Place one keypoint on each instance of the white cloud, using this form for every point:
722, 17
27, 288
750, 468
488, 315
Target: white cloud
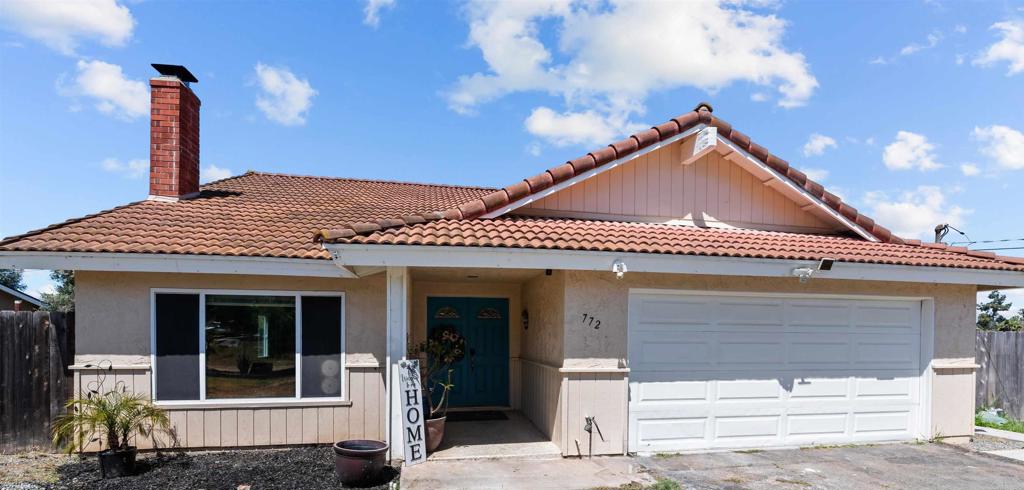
914, 214
816, 174
960, 29
574, 128
60, 25
600, 72
931, 41
285, 98
1004, 144
114, 94
1010, 48
908, 151
534, 149
759, 97
817, 144
372, 10
970, 169
209, 173
131, 169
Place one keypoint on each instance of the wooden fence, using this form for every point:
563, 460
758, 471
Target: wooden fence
1001, 375
36, 348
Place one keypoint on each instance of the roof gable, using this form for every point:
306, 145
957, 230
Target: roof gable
671, 185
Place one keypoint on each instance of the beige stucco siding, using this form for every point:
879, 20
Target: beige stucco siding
113, 309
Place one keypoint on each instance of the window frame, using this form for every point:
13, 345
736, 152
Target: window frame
298, 399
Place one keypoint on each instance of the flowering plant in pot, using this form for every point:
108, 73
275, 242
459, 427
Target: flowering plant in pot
112, 418
444, 347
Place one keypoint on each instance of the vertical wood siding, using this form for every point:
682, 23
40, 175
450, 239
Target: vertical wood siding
248, 426
541, 398
601, 395
658, 185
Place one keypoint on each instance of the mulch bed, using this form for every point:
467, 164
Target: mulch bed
294, 468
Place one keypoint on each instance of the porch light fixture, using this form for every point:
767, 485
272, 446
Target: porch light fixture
619, 268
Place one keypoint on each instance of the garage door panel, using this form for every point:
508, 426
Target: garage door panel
749, 390
817, 424
771, 371
675, 391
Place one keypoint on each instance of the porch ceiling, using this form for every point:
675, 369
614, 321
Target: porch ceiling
472, 274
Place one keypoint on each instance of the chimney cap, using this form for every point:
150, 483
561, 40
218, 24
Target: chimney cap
176, 71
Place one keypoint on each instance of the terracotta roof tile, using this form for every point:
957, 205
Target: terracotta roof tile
614, 236
256, 214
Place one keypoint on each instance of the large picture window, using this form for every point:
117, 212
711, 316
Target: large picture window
220, 346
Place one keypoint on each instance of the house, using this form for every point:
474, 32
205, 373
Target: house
683, 289
12, 299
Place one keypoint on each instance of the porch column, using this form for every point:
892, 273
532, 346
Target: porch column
398, 333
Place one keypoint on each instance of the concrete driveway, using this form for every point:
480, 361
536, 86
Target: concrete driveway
896, 466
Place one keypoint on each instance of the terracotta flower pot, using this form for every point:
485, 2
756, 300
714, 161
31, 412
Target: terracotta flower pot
115, 464
435, 433
359, 462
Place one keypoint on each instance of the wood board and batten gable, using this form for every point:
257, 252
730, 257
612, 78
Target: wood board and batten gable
668, 185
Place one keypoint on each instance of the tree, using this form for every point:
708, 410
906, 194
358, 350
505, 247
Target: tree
990, 316
63, 297
12, 278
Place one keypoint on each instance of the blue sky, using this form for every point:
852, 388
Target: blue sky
912, 111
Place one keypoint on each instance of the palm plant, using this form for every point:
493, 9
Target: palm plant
115, 416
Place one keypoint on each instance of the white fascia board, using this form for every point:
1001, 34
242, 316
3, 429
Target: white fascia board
350, 255
199, 264
591, 173
800, 190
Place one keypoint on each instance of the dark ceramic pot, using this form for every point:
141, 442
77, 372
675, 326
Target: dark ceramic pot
115, 464
435, 433
359, 462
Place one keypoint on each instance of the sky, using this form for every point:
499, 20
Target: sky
911, 111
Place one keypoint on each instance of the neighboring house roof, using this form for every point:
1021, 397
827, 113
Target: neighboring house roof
22, 296
618, 236
274, 215
255, 214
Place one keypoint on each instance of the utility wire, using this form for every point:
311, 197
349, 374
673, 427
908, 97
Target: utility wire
988, 241
1002, 248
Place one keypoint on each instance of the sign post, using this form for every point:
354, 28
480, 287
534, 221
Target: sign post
413, 434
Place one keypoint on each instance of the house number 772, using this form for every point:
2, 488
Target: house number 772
590, 321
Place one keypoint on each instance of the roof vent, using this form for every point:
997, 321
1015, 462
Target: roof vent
176, 71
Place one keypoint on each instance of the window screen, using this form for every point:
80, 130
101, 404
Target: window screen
321, 346
177, 346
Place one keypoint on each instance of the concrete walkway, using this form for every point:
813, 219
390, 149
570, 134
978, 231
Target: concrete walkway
525, 474
1015, 453
514, 437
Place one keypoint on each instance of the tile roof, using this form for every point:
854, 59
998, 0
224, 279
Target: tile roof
614, 236
255, 214
702, 114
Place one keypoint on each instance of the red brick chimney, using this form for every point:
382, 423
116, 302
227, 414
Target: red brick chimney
173, 135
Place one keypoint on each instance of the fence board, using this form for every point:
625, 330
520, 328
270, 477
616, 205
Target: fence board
35, 352
1000, 380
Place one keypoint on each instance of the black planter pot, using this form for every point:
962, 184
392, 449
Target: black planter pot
359, 462
115, 464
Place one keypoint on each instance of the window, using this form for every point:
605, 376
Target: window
252, 345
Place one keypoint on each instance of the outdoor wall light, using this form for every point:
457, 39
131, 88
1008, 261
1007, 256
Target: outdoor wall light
805, 273
619, 268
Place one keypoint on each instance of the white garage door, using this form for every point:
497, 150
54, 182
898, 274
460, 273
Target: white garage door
730, 371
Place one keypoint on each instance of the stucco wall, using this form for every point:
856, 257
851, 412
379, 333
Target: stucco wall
112, 310
544, 299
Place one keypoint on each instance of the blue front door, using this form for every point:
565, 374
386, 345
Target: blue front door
481, 378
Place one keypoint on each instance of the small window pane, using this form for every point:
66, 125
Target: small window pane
321, 346
250, 346
177, 346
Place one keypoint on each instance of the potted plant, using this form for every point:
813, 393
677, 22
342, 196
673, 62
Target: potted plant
444, 347
112, 418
